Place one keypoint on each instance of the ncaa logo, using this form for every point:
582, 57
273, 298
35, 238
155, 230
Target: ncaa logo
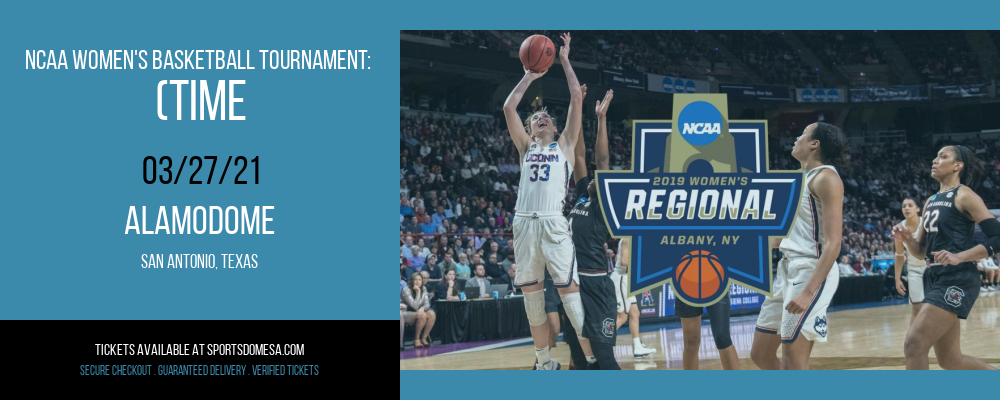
820, 95
832, 95
807, 95
679, 85
668, 84
700, 123
690, 87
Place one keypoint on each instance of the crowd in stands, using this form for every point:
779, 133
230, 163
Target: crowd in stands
475, 39
459, 175
843, 47
768, 55
940, 56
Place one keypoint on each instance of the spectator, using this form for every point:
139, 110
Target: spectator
493, 269
860, 266
449, 288
438, 217
404, 207
506, 279
508, 262
845, 267
417, 260
418, 310
480, 281
405, 270
464, 272
431, 268
428, 227
448, 261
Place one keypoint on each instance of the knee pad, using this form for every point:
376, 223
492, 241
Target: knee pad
534, 306
574, 311
722, 339
720, 327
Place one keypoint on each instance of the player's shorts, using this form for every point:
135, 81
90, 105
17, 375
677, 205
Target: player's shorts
623, 301
993, 267
597, 293
915, 283
540, 243
953, 288
793, 275
718, 310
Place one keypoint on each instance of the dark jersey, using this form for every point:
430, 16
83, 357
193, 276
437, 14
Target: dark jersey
946, 227
586, 222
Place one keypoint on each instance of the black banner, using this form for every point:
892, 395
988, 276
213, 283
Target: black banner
615, 78
298, 352
959, 91
863, 94
756, 92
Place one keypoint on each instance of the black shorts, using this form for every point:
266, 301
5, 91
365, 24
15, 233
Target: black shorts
953, 288
552, 299
718, 310
597, 293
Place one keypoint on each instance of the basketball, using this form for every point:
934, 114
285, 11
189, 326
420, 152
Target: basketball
700, 274
537, 53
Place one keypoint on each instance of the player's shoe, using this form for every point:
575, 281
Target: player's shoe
639, 350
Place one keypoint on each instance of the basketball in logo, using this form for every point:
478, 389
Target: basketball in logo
699, 274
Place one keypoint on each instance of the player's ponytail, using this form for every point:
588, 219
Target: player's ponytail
832, 145
973, 168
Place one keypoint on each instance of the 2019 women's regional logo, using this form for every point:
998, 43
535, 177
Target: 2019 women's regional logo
700, 202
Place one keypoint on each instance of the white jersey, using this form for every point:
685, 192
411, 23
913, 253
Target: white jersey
912, 260
806, 238
545, 174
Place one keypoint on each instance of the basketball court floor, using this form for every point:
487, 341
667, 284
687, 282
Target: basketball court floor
868, 336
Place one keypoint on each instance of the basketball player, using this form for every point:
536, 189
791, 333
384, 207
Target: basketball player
951, 280
806, 278
991, 270
627, 308
718, 316
914, 265
541, 233
590, 233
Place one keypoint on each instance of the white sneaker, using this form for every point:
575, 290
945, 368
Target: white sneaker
552, 365
641, 351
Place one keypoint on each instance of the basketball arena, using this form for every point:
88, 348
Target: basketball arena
904, 102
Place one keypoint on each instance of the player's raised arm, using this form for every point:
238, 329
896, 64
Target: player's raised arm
574, 119
514, 124
580, 154
601, 154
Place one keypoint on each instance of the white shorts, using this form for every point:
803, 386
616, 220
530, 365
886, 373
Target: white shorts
793, 274
993, 267
915, 283
541, 243
620, 291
